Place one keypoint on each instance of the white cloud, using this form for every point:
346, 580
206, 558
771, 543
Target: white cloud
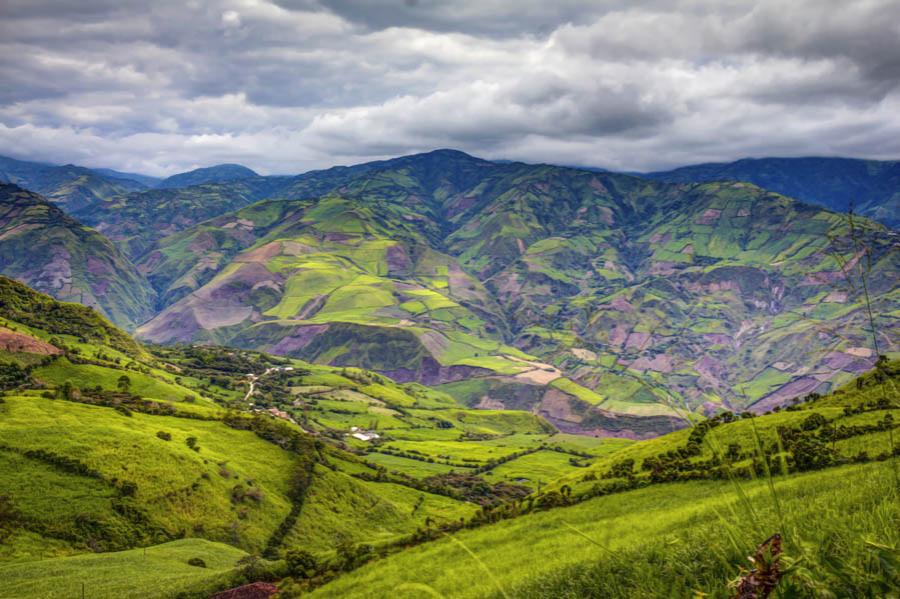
286, 86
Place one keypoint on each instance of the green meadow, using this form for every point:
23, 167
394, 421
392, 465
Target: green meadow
670, 540
156, 572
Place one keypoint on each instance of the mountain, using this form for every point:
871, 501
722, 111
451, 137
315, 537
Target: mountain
52, 252
72, 187
871, 187
580, 296
220, 173
139, 220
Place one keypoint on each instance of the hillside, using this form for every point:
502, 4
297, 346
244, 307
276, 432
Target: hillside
50, 251
619, 534
187, 460
869, 186
134, 222
446, 269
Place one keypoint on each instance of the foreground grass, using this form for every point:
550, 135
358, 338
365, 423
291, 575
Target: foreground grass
665, 540
154, 572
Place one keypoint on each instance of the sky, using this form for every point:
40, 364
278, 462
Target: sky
285, 86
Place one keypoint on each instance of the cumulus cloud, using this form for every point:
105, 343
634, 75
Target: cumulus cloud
288, 85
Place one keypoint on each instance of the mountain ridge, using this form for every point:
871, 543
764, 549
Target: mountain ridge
868, 186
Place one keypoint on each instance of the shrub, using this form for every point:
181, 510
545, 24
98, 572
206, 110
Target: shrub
300, 563
197, 561
164, 435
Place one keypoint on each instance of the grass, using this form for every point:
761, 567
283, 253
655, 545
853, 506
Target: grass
537, 555
160, 571
456, 451
90, 375
340, 509
745, 432
540, 466
415, 468
178, 487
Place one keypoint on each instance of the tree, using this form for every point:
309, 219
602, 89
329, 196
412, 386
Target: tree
124, 383
733, 453
301, 564
811, 454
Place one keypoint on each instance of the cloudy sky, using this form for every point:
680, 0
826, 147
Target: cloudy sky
284, 86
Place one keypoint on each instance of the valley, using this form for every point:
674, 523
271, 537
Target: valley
376, 380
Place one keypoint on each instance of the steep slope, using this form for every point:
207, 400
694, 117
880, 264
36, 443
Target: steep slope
72, 187
54, 253
655, 296
712, 290
220, 173
334, 261
872, 187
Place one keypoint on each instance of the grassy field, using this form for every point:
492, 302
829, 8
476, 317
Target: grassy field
541, 466
156, 572
340, 509
90, 375
179, 488
643, 536
414, 468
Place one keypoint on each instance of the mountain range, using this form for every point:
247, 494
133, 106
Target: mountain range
607, 303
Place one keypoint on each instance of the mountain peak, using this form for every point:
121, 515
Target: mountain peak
219, 173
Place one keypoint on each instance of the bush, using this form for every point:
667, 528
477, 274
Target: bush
164, 435
300, 563
811, 454
197, 561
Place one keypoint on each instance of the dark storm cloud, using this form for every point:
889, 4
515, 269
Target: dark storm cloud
287, 85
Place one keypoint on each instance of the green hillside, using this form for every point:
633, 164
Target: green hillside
107, 445
643, 522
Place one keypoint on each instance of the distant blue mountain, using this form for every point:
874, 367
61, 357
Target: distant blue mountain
872, 187
221, 173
